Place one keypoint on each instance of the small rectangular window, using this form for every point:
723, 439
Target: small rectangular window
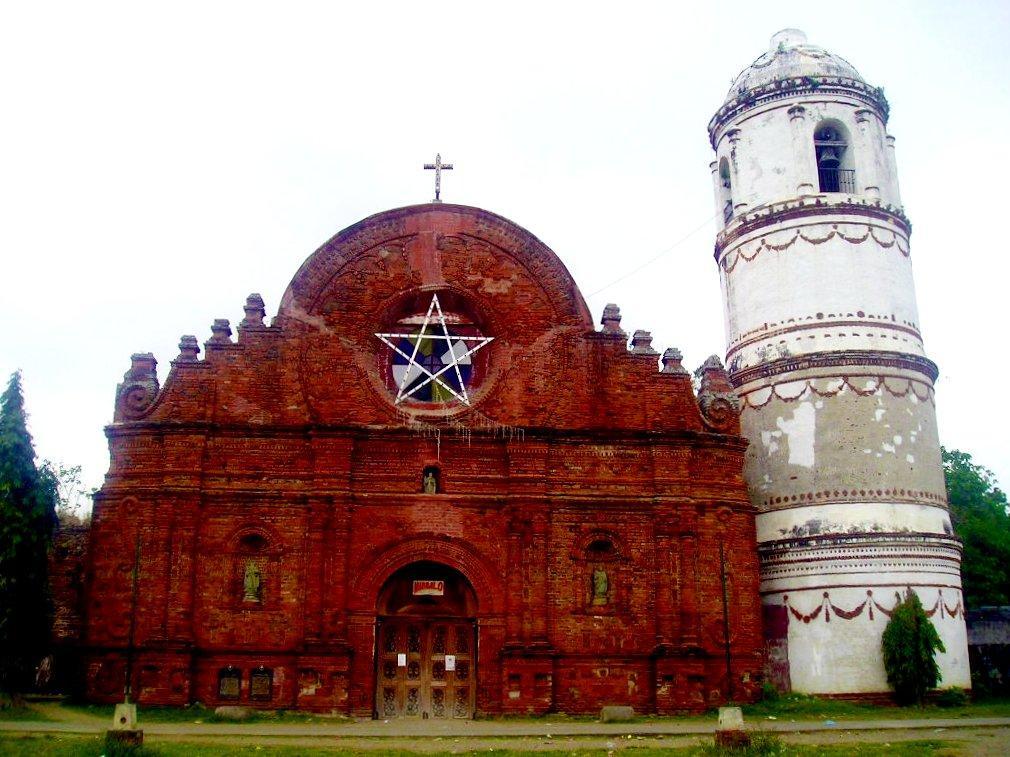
261, 684
229, 683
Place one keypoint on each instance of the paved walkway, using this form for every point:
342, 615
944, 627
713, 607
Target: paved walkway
491, 728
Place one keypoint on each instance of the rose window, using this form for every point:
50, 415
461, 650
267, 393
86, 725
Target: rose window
433, 357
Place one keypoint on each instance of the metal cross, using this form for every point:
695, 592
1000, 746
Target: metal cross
438, 166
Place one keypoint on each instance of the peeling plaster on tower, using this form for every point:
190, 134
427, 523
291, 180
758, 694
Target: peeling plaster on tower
825, 352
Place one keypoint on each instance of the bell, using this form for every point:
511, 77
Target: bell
829, 158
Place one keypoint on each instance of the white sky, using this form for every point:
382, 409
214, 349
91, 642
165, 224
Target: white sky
160, 162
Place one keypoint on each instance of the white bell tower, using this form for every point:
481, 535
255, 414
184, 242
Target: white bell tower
825, 351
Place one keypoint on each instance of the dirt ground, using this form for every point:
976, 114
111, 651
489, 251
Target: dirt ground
961, 741
964, 741
993, 739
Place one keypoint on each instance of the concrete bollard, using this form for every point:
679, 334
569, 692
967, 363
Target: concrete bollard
616, 713
233, 712
124, 725
730, 734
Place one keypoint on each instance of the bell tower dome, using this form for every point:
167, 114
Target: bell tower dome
825, 352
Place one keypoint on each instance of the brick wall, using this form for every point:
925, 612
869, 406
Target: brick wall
284, 451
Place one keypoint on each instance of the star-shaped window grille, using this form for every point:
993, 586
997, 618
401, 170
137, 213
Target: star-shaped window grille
433, 363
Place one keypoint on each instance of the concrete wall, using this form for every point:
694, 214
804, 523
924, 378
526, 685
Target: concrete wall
829, 653
815, 282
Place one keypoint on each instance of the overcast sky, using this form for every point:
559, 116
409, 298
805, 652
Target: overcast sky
159, 162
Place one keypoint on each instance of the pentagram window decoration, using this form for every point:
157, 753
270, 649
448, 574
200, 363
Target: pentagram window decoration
433, 358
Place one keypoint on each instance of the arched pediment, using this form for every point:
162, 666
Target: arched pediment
432, 247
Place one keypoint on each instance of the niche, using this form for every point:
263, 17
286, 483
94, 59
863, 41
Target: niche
725, 190
835, 172
431, 482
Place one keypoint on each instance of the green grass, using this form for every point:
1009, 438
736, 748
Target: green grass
803, 707
768, 745
197, 713
790, 707
21, 713
86, 746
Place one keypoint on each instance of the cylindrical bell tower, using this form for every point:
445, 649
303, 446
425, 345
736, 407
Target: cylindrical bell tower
825, 351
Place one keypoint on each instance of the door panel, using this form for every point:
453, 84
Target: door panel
436, 677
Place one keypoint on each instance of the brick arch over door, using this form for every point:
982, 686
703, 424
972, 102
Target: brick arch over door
385, 560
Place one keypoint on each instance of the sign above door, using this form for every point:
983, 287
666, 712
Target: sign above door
428, 588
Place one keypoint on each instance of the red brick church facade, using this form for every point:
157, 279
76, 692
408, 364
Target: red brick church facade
553, 522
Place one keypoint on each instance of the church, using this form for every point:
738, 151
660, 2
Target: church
434, 485
430, 487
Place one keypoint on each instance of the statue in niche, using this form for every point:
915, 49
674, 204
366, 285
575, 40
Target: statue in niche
430, 482
601, 586
252, 582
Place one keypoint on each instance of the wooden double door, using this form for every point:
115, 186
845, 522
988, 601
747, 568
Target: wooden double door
425, 668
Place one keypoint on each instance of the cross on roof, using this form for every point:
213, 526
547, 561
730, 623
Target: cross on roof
438, 166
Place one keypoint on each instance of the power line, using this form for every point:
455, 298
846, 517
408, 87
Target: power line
654, 258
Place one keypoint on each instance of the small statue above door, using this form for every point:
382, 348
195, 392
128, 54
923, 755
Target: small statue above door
429, 480
252, 583
601, 586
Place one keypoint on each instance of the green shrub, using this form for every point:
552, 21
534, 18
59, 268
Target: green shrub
761, 745
910, 644
985, 682
115, 748
769, 693
952, 697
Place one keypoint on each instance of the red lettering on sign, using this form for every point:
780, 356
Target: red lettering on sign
429, 587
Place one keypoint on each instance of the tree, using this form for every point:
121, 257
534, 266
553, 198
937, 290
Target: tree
72, 503
910, 644
27, 519
978, 510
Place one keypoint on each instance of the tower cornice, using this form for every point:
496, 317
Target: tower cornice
785, 550
794, 87
804, 207
847, 358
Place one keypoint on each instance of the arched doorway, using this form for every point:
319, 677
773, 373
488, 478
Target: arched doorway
426, 644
